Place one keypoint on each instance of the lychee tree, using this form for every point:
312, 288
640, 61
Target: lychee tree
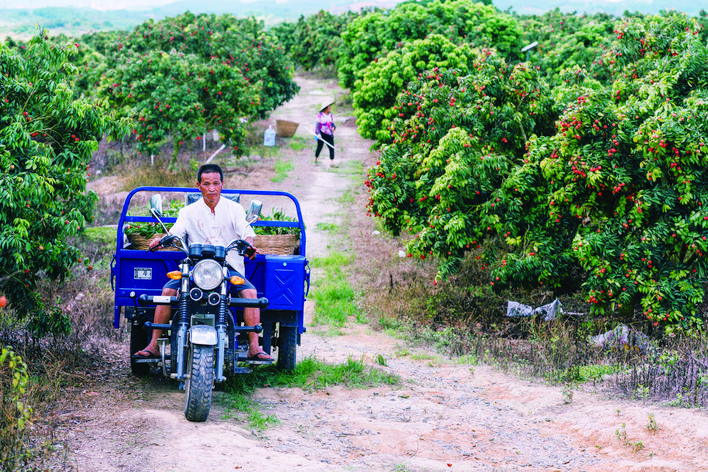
46, 140
629, 167
374, 35
611, 198
181, 77
455, 140
176, 95
315, 40
567, 40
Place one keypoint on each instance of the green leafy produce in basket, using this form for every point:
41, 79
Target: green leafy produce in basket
277, 215
144, 229
148, 229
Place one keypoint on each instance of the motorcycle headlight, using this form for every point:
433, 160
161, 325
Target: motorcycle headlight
207, 274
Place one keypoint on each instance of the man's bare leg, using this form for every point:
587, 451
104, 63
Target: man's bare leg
252, 316
162, 316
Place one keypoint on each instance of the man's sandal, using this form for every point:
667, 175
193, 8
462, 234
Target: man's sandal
260, 356
146, 354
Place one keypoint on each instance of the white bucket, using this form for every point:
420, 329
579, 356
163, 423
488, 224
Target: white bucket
269, 137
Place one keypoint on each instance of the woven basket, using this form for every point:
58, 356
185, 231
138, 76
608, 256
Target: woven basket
282, 244
286, 129
143, 244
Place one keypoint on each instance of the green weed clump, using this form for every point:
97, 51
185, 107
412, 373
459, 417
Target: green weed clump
333, 294
310, 374
281, 170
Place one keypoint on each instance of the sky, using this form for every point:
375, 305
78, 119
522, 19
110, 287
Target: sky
102, 4
521, 6
96, 4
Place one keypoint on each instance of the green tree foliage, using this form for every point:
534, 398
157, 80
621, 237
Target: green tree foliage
567, 40
286, 32
456, 139
314, 40
179, 96
374, 35
183, 76
612, 197
628, 165
46, 140
382, 81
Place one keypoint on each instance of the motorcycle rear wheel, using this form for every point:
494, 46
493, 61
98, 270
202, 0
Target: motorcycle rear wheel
139, 338
200, 383
287, 348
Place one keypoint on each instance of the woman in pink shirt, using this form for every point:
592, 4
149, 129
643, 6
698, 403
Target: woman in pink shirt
324, 130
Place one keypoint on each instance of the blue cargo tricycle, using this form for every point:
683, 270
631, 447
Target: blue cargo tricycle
206, 340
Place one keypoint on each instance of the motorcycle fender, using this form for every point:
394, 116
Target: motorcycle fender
203, 335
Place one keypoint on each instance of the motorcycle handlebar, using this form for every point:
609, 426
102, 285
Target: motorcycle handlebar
243, 247
261, 303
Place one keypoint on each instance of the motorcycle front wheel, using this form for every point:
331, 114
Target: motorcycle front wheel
200, 383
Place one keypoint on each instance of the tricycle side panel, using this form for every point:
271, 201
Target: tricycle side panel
285, 282
141, 272
256, 273
281, 279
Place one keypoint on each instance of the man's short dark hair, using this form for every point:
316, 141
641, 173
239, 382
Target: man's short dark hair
209, 169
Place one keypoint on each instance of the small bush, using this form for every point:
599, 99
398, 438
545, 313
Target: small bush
15, 412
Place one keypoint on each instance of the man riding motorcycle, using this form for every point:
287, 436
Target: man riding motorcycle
211, 220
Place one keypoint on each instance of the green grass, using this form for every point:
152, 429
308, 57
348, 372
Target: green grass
346, 198
584, 373
587, 373
328, 227
310, 374
298, 144
101, 234
315, 374
333, 295
352, 168
281, 170
244, 408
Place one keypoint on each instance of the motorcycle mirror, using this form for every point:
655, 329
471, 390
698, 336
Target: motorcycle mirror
254, 211
156, 205
156, 210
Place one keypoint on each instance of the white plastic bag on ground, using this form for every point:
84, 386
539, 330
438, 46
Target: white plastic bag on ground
549, 311
623, 337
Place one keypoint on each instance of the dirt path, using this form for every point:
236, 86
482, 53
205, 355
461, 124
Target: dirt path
444, 415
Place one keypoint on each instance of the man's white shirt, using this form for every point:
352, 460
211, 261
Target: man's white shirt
226, 223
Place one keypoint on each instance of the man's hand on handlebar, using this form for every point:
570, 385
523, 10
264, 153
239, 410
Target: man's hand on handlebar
156, 243
250, 252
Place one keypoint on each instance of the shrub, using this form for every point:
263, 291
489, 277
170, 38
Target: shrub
15, 413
